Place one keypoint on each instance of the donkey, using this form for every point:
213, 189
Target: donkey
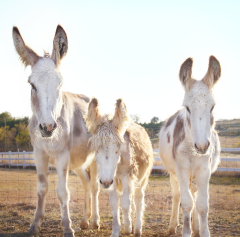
190, 149
58, 131
124, 158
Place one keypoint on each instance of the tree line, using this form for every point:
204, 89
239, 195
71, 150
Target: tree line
14, 134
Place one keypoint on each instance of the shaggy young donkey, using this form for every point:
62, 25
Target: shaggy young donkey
189, 148
124, 158
57, 129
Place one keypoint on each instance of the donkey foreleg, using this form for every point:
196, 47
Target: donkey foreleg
114, 201
84, 223
41, 161
127, 184
175, 205
186, 201
63, 192
202, 180
95, 192
140, 206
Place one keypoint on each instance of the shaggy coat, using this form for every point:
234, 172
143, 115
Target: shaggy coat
190, 149
124, 159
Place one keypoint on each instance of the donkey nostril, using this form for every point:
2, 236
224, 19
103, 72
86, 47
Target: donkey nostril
111, 182
100, 181
55, 125
196, 146
40, 126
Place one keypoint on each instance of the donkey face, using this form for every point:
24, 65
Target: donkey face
199, 102
107, 158
107, 139
45, 79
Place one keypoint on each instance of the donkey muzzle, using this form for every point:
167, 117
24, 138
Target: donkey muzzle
203, 148
106, 184
47, 129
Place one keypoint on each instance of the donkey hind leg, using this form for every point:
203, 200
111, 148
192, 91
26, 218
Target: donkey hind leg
41, 161
202, 180
140, 206
127, 184
186, 201
87, 205
63, 192
95, 191
195, 219
175, 205
114, 201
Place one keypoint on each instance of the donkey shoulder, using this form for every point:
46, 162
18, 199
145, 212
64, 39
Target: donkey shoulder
72, 96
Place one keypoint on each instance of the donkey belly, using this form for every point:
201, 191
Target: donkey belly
78, 157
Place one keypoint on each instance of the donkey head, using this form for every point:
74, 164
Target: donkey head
107, 138
45, 79
199, 102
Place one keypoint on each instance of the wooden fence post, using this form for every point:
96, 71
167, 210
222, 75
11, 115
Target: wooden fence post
24, 162
9, 154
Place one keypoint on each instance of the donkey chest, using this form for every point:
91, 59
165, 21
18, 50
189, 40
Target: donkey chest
52, 148
194, 162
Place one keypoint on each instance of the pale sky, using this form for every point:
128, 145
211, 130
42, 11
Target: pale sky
128, 49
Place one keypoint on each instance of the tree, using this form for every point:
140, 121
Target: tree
154, 120
5, 115
135, 118
23, 137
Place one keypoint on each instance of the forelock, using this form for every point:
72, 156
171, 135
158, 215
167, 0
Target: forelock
199, 93
106, 134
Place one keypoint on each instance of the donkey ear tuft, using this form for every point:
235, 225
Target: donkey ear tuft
26, 54
60, 45
213, 73
185, 74
121, 117
93, 116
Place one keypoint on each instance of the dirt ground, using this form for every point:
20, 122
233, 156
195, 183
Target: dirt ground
18, 203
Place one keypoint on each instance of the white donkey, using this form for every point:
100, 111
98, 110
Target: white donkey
124, 158
57, 129
189, 148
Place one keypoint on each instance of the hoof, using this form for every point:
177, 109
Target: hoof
96, 226
128, 230
34, 230
171, 231
84, 225
69, 235
137, 235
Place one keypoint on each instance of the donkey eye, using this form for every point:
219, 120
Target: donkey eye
33, 87
116, 152
188, 109
211, 109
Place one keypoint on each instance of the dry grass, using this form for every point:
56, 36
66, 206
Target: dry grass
18, 203
230, 141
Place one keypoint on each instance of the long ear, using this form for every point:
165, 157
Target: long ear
213, 73
93, 117
27, 55
121, 118
185, 74
60, 45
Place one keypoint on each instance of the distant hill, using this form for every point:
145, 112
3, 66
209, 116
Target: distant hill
228, 127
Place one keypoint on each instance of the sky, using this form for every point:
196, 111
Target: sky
125, 49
